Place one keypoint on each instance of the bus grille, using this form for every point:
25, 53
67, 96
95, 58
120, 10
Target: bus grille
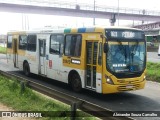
128, 81
128, 87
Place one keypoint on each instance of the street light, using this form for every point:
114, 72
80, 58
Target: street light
118, 12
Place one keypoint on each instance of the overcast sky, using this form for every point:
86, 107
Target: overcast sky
17, 21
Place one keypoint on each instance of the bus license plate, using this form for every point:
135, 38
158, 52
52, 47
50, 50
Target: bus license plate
129, 86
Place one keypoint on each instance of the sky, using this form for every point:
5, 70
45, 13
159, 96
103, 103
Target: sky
19, 21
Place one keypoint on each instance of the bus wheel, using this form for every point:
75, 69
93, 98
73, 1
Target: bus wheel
26, 69
76, 83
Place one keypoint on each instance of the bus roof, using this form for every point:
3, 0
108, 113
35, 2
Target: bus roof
72, 30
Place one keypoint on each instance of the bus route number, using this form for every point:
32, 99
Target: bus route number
128, 34
114, 34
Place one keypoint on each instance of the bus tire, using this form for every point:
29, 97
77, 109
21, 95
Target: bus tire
26, 69
76, 83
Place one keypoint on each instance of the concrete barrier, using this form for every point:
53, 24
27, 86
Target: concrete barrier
152, 49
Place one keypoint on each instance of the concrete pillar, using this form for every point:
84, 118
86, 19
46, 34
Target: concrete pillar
143, 12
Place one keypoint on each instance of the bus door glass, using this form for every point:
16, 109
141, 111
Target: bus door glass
9, 49
15, 55
42, 55
99, 70
91, 63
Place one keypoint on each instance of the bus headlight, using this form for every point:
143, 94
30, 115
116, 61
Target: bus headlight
144, 77
108, 80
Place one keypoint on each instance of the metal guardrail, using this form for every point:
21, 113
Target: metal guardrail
82, 6
152, 49
71, 100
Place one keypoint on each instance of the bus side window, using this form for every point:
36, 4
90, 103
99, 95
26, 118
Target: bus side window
73, 45
56, 44
23, 42
9, 42
100, 54
31, 40
78, 46
61, 44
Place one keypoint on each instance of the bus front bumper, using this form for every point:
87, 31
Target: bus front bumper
108, 88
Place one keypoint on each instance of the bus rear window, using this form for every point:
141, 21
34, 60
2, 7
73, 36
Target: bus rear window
9, 42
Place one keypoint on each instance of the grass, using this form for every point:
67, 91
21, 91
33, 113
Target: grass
12, 96
3, 50
153, 71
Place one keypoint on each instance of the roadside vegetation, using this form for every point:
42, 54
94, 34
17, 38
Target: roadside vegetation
2, 50
12, 96
153, 71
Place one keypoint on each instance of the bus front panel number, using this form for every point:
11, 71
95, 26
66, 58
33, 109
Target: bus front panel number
66, 61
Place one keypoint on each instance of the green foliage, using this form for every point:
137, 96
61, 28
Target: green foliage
3, 50
153, 71
11, 95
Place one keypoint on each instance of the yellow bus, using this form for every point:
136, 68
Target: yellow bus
101, 59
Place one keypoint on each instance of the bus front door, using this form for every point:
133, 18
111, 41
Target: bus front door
42, 55
15, 55
91, 61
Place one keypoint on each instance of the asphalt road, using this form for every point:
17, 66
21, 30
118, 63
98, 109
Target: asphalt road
153, 57
147, 99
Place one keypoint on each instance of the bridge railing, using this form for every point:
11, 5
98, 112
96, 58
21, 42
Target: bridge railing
82, 6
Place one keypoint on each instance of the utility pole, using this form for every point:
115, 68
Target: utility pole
118, 12
94, 11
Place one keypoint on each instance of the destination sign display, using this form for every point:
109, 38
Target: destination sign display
120, 34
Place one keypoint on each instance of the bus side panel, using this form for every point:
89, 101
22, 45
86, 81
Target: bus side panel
21, 58
32, 61
77, 64
11, 49
65, 73
10, 57
50, 61
54, 67
57, 71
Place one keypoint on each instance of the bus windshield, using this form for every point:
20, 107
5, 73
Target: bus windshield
126, 56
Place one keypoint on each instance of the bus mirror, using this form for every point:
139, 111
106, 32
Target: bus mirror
105, 47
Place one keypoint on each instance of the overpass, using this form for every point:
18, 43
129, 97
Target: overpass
48, 7
150, 26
